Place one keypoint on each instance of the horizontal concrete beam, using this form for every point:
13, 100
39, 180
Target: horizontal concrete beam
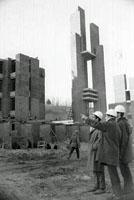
90, 94
87, 55
90, 99
90, 90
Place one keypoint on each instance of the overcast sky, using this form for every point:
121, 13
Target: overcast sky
42, 28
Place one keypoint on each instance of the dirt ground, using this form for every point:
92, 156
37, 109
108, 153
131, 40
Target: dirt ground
39, 174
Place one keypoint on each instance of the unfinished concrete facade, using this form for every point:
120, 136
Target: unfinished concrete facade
22, 93
81, 94
22, 88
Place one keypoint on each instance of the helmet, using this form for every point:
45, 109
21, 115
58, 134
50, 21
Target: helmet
111, 112
98, 114
120, 109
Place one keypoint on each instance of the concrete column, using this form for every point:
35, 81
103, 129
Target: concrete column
98, 71
82, 28
94, 37
35, 90
6, 88
22, 87
41, 93
80, 81
98, 74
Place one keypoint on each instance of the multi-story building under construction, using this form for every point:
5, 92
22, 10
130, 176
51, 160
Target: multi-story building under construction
21, 88
22, 92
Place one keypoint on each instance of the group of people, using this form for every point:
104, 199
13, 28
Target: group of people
110, 145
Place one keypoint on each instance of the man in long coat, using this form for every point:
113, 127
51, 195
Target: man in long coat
94, 165
125, 148
110, 147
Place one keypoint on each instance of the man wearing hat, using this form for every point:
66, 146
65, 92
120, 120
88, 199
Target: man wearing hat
110, 147
94, 165
125, 148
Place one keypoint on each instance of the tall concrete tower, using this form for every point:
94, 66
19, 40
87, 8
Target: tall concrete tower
81, 94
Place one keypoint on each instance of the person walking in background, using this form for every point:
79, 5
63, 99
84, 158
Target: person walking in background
110, 148
74, 144
97, 168
125, 148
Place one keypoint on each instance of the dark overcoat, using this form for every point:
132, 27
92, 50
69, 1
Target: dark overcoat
126, 140
111, 134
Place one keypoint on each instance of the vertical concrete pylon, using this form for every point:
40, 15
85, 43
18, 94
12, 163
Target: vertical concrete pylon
6, 88
79, 68
98, 71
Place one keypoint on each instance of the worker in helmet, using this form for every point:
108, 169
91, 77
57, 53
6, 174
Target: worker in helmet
110, 147
125, 148
97, 168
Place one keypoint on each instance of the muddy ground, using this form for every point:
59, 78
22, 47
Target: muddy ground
38, 174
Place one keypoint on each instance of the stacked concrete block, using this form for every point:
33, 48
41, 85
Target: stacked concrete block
22, 87
6, 88
42, 93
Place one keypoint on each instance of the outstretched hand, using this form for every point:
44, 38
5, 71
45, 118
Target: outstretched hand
83, 117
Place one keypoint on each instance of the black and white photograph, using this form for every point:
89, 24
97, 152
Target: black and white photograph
67, 100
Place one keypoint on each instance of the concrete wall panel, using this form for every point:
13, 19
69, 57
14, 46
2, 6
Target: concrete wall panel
34, 78
22, 87
35, 108
42, 111
42, 85
94, 37
22, 75
22, 107
41, 93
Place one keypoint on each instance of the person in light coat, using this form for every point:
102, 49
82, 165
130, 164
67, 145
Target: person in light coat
94, 165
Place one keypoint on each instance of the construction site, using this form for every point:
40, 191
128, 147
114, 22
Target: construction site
34, 143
